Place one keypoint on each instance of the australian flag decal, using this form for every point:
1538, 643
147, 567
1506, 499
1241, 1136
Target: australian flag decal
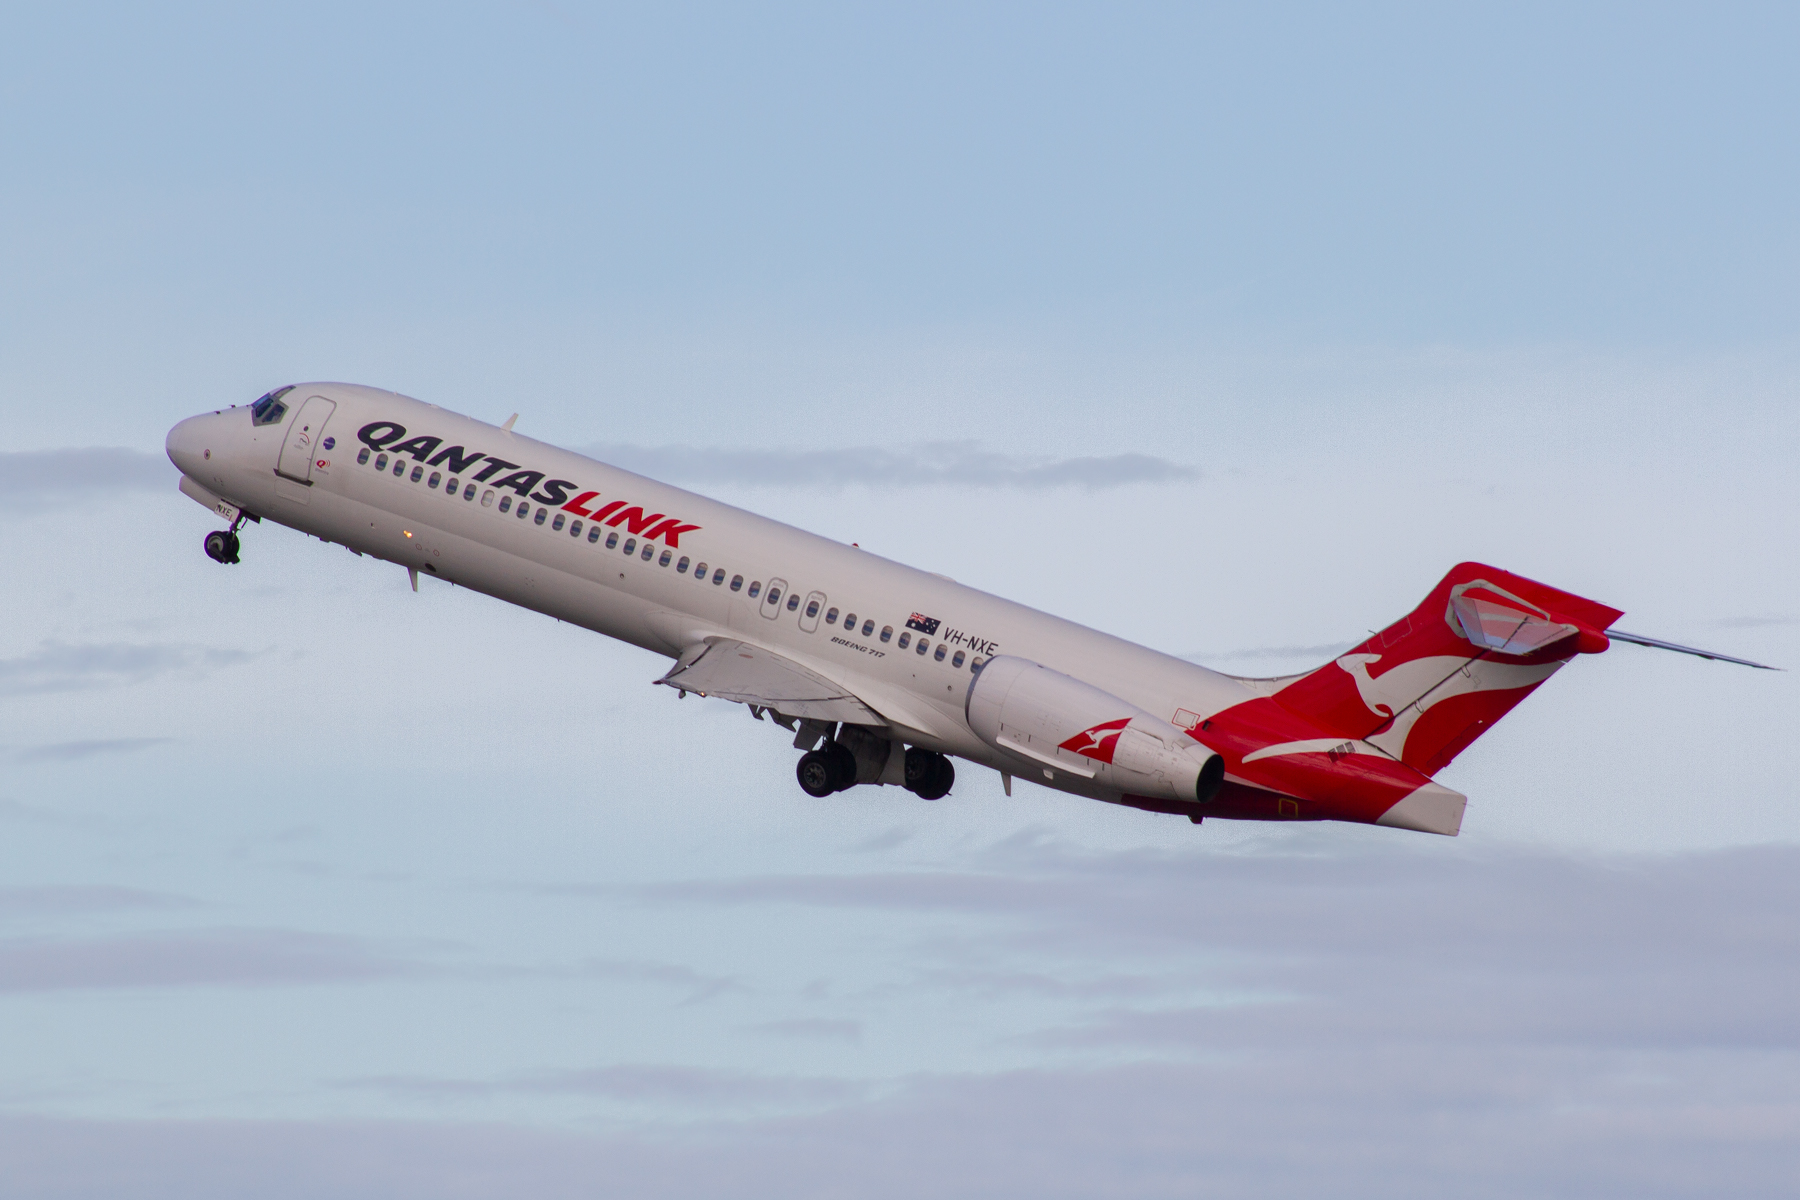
925, 625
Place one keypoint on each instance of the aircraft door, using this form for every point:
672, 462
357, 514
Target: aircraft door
772, 598
305, 431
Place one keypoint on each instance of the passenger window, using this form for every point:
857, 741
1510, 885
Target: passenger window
487, 497
453, 486
612, 539
774, 596
975, 664
905, 640
700, 572
524, 510
755, 587
682, 566
664, 560
887, 631
418, 474
399, 468
719, 576
958, 660
737, 581
630, 546
575, 529
556, 525
505, 503
648, 551
868, 627
939, 656
831, 616
593, 535
436, 478
923, 646
469, 492
381, 462
850, 623
362, 456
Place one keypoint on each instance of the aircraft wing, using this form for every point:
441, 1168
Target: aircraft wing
748, 674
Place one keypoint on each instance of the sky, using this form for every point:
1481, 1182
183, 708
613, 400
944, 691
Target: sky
1227, 330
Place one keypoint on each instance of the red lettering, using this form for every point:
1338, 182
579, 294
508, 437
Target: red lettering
600, 513
634, 519
670, 531
574, 505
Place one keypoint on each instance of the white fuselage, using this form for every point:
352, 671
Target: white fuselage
326, 492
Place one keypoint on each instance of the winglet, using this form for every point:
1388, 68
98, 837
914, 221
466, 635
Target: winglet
507, 428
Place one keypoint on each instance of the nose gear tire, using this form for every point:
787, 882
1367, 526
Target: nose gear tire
222, 546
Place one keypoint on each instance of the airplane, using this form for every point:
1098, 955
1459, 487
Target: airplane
884, 673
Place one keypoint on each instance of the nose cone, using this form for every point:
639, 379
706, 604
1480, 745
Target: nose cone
187, 445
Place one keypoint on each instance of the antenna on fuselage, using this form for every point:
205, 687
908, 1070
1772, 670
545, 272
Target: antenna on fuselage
507, 428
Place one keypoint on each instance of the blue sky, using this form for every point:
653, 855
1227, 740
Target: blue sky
1224, 330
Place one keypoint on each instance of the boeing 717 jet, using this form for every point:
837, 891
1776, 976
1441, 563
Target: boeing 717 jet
882, 673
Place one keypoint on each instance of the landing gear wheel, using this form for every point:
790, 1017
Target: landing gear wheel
222, 546
816, 774
843, 762
928, 775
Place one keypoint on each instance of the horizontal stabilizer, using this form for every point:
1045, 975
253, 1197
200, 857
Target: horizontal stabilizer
1638, 639
748, 674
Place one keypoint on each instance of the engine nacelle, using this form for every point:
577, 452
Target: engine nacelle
1074, 728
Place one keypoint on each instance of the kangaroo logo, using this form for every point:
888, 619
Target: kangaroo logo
1099, 742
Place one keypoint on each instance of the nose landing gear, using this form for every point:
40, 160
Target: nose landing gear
222, 544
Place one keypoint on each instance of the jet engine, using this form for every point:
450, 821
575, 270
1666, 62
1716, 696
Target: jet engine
1072, 728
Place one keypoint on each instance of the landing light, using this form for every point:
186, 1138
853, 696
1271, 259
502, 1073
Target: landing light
407, 532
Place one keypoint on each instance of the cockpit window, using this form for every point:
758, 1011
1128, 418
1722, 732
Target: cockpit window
270, 409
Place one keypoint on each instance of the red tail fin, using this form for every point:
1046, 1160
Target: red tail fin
1431, 683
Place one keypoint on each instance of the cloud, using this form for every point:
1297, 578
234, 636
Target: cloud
1418, 1019
637, 1083
811, 1029
37, 479
699, 987
75, 751
60, 667
1753, 622
927, 464
188, 958
77, 899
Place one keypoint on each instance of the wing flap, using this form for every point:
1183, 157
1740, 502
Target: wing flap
733, 670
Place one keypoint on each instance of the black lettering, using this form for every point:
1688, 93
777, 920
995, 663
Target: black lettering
419, 447
521, 482
379, 433
459, 462
500, 464
555, 492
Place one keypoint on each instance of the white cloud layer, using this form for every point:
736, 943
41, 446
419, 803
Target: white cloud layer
928, 464
1395, 1022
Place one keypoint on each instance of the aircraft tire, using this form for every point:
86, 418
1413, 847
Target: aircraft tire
942, 778
921, 769
816, 773
843, 764
221, 546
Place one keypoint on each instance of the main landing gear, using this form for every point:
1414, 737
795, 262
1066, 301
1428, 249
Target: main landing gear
222, 544
832, 768
928, 774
